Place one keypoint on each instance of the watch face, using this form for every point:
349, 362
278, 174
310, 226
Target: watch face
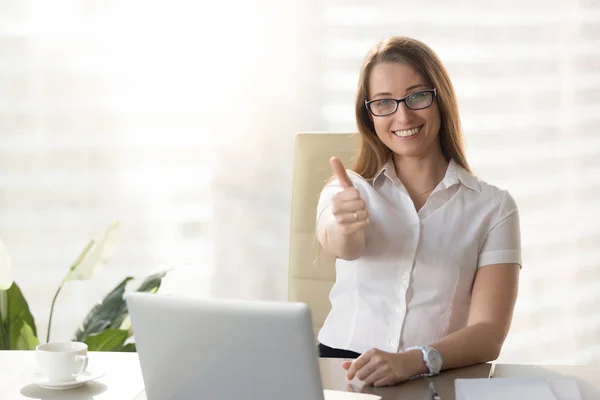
435, 359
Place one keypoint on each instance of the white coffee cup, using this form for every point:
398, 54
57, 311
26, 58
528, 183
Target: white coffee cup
62, 361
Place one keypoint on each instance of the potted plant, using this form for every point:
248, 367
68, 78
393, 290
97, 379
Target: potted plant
105, 328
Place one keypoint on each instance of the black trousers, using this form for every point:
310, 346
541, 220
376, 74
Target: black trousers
329, 352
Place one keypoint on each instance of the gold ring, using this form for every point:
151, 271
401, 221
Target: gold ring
355, 216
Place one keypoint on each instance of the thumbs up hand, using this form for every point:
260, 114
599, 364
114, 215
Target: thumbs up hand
349, 209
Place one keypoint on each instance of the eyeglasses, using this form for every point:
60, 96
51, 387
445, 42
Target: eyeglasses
414, 101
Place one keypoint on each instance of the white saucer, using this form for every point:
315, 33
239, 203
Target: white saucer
35, 376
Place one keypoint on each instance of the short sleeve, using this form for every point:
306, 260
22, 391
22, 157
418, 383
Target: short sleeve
502, 244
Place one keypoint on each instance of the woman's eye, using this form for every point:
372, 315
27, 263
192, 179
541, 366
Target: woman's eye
416, 96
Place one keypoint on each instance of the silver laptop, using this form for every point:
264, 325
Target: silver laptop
212, 349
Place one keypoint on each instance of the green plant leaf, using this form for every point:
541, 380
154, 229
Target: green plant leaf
21, 336
108, 340
129, 347
5, 268
4, 344
103, 315
17, 326
18, 308
152, 283
112, 312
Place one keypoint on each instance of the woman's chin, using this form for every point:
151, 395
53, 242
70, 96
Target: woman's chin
407, 149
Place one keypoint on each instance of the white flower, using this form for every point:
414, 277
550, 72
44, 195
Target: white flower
93, 257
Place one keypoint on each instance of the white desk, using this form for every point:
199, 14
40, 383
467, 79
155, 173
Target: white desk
588, 379
122, 379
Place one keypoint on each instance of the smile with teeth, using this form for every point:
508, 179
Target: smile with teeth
408, 132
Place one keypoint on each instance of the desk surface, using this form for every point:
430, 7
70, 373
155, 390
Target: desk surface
123, 379
333, 377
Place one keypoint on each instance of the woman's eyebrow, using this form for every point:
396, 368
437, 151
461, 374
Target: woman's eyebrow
408, 89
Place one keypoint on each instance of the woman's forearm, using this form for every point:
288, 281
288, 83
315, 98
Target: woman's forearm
478, 343
475, 344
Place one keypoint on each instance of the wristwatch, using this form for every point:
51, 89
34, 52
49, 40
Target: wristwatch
431, 357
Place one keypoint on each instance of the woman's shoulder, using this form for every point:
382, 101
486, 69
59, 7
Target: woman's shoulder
494, 194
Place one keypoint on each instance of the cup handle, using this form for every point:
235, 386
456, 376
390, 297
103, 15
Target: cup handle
84, 364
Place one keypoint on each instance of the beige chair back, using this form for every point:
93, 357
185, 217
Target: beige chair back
311, 269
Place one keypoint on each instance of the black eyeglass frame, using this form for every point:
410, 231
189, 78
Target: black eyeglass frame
402, 100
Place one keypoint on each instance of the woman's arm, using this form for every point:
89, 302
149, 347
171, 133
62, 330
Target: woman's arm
492, 304
493, 295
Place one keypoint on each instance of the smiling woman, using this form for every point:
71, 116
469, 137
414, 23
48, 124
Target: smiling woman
428, 254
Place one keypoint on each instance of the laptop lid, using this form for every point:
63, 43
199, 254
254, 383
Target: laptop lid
219, 349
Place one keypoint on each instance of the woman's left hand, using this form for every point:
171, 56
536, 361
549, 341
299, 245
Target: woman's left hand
379, 368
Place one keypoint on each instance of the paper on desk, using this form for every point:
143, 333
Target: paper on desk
517, 388
338, 395
565, 388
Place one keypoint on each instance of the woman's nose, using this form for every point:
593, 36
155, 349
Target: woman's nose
403, 114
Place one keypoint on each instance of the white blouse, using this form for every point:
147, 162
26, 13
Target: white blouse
412, 284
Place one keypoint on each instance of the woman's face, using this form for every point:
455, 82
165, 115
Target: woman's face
410, 133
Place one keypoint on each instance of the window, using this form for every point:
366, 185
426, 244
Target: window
115, 111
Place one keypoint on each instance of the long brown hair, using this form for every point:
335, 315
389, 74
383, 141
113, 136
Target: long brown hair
373, 154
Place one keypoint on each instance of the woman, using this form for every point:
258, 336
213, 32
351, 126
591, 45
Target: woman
428, 255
